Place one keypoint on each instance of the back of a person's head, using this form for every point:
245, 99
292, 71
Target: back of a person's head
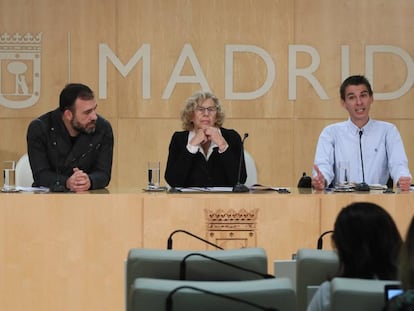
407, 259
367, 241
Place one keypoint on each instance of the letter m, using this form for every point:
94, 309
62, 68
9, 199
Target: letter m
106, 54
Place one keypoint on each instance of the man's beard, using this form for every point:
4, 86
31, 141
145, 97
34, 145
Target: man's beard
82, 129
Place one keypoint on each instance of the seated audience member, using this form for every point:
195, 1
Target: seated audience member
204, 154
405, 301
381, 144
367, 242
71, 147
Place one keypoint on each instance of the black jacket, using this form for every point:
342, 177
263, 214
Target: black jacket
53, 156
185, 169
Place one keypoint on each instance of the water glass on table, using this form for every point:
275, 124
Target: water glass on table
153, 175
343, 174
9, 176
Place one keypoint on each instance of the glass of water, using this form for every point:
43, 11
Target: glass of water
9, 175
153, 175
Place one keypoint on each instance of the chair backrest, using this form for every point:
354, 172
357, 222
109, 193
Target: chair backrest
286, 269
357, 294
24, 176
313, 267
165, 264
150, 294
250, 169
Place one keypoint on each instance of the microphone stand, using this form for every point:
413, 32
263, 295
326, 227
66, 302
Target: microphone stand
170, 241
183, 266
320, 239
169, 300
361, 186
239, 187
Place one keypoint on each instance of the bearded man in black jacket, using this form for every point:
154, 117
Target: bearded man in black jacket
71, 147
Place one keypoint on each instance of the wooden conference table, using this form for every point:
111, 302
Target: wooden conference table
66, 251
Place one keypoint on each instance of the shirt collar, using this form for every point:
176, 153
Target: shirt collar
355, 129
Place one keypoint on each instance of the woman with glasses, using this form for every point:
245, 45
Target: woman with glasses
205, 154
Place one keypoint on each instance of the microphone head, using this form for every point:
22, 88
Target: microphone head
362, 187
57, 187
244, 137
240, 188
319, 244
169, 243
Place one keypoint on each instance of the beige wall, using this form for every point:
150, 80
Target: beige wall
283, 131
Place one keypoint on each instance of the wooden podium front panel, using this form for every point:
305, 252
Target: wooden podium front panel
284, 222
400, 207
66, 251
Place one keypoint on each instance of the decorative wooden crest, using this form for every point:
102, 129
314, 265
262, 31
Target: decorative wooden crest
232, 228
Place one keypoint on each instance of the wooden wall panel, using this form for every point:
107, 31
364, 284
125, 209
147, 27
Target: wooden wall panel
12, 139
270, 142
140, 141
326, 25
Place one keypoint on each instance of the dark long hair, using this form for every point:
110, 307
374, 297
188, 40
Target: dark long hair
407, 259
367, 241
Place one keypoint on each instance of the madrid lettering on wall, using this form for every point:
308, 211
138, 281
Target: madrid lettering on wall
106, 55
20, 69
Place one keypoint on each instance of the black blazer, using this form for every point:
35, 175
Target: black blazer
185, 169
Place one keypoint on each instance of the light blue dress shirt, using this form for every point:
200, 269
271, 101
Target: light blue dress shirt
382, 151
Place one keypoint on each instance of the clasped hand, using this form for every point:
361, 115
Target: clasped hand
79, 181
208, 134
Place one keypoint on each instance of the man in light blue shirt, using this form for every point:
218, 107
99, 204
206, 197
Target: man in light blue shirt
379, 142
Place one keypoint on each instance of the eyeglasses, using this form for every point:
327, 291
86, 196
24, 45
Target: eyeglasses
202, 110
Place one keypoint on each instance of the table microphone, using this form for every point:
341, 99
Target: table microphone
57, 187
183, 266
170, 241
239, 187
169, 299
320, 239
361, 186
